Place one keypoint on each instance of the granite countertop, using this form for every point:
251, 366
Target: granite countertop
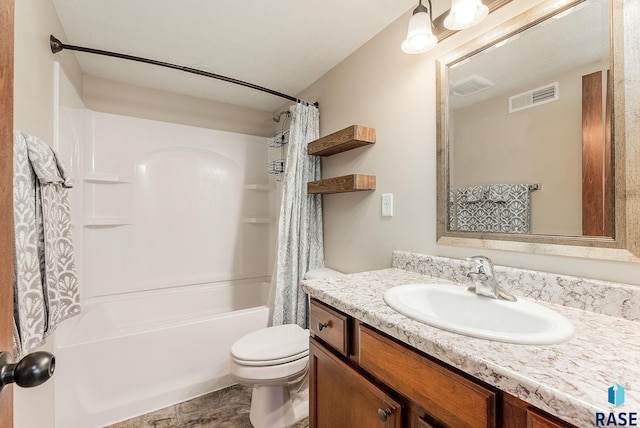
569, 380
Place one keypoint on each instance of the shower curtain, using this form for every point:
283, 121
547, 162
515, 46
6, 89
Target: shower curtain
300, 246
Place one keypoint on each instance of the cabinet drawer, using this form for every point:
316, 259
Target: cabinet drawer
447, 396
330, 326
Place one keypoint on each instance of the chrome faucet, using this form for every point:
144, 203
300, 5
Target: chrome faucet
484, 280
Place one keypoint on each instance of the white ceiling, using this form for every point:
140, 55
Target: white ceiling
284, 45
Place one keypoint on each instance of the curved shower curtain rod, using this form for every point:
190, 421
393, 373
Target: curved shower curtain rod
57, 46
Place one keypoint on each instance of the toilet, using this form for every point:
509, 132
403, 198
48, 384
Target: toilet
275, 362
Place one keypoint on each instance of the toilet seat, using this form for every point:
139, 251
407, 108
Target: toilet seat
276, 374
271, 346
266, 363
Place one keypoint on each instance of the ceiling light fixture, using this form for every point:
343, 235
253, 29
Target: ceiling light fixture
465, 14
420, 36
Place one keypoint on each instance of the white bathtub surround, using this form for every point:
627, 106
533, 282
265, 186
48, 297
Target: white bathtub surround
300, 246
45, 280
128, 355
169, 205
174, 268
569, 380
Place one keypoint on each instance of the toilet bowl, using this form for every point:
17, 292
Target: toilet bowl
275, 362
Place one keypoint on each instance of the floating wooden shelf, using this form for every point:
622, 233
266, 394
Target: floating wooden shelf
346, 183
349, 138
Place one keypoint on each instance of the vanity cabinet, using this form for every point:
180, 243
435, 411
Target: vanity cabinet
360, 377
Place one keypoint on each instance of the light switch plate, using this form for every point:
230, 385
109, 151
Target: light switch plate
387, 205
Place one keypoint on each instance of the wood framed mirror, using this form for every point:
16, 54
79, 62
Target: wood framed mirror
538, 134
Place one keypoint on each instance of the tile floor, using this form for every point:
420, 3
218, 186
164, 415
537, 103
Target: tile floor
227, 408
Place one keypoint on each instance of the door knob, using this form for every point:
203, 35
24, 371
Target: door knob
32, 370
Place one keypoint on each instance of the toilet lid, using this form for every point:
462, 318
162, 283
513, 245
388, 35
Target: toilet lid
272, 343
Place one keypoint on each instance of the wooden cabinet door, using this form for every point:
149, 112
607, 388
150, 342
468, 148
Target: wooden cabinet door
342, 398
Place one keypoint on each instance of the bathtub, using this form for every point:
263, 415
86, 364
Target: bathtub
130, 354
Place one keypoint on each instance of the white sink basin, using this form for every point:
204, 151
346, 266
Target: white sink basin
458, 310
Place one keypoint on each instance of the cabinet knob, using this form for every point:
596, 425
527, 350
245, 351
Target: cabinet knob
383, 414
322, 326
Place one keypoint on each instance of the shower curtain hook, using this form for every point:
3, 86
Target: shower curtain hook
307, 103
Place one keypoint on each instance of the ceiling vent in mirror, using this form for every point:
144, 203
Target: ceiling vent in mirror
470, 85
535, 97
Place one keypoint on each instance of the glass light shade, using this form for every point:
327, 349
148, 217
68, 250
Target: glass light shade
465, 14
420, 38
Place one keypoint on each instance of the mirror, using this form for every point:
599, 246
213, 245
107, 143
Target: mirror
531, 153
529, 149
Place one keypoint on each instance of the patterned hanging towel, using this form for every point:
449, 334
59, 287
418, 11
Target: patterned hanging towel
515, 215
503, 208
45, 280
475, 212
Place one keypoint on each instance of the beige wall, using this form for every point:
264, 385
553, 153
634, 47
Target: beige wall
33, 72
120, 98
380, 86
542, 144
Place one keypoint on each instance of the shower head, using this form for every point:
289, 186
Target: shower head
276, 118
